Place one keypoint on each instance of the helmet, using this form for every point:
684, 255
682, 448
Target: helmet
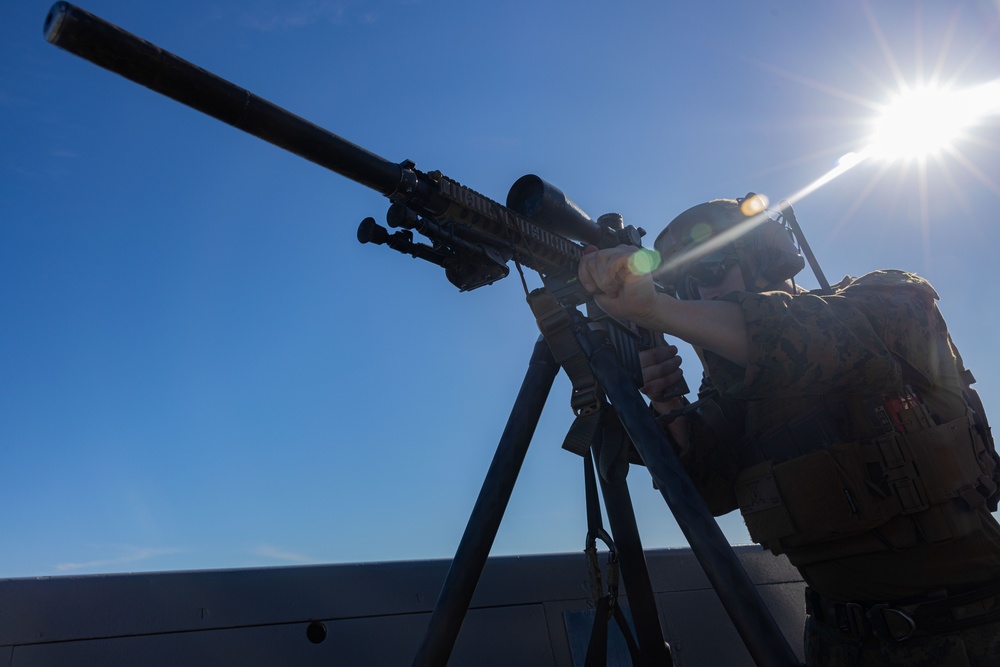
706, 240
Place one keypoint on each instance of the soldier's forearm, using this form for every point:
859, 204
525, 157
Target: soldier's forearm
718, 326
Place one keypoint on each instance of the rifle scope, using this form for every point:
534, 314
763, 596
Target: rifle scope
546, 205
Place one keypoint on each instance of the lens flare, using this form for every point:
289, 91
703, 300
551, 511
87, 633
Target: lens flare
644, 261
751, 206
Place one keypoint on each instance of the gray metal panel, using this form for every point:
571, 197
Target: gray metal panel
559, 633
678, 569
388, 640
65, 608
579, 627
375, 613
700, 633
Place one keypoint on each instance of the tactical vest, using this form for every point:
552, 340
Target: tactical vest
872, 459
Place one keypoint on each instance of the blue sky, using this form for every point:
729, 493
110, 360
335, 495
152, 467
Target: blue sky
200, 367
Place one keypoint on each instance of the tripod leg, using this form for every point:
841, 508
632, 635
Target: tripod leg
751, 618
474, 548
635, 575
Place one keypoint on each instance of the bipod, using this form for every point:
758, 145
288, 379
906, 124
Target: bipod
751, 618
477, 540
606, 607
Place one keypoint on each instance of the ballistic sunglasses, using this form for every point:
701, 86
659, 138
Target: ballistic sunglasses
708, 271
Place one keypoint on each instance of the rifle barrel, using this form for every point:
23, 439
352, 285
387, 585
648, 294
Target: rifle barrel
114, 49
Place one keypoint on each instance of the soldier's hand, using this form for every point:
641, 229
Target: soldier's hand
661, 370
620, 288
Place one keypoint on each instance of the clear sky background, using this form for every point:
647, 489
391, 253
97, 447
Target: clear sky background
200, 367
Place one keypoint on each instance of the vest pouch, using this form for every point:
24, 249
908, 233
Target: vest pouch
813, 498
938, 477
952, 459
951, 465
762, 506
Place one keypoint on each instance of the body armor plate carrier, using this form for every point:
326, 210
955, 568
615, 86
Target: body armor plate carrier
935, 473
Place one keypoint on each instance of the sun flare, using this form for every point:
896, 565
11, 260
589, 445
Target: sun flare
928, 127
924, 121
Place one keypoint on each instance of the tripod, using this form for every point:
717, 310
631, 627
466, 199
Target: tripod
751, 618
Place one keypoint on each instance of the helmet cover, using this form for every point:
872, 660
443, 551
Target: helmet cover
721, 229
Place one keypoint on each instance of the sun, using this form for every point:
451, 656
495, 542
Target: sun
923, 129
926, 126
924, 121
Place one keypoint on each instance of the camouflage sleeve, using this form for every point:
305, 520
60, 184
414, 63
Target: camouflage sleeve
848, 342
713, 428
712, 460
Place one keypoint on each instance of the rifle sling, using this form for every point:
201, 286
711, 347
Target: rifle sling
556, 326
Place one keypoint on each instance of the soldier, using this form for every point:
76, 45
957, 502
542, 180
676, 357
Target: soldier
840, 422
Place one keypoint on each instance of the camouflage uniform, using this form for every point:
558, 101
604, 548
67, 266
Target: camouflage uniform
815, 362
